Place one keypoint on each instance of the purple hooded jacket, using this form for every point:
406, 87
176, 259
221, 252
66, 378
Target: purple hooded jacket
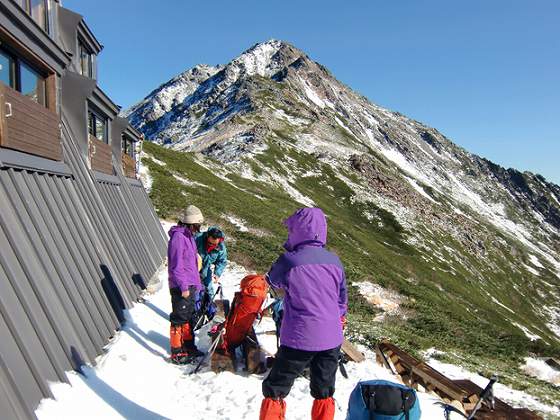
182, 260
315, 285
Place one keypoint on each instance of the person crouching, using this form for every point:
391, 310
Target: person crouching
212, 249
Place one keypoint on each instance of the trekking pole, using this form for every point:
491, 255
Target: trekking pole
225, 303
484, 395
203, 309
211, 350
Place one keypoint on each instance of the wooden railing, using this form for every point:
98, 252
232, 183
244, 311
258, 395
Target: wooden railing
27, 126
100, 155
129, 166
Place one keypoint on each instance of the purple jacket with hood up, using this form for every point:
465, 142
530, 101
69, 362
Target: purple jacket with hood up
182, 260
315, 285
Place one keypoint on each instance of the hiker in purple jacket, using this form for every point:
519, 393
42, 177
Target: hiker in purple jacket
315, 305
184, 285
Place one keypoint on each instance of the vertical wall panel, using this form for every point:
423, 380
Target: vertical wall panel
72, 250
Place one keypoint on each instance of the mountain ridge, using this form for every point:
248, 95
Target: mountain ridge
410, 210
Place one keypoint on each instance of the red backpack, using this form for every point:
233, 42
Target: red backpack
244, 310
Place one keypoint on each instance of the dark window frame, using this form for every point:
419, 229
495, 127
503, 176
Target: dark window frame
83, 48
127, 141
26, 6
15, 74
94, 116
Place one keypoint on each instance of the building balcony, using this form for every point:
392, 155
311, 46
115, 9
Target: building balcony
100, 156
27, 126
129, 166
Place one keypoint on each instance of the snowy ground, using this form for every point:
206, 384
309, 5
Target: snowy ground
134, 380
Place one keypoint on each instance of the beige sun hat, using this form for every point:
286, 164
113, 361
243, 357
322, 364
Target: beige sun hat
191, 216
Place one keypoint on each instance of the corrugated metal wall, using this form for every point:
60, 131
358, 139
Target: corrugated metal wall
74, 252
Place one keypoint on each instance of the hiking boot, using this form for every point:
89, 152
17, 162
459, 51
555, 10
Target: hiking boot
190, 349
180, 359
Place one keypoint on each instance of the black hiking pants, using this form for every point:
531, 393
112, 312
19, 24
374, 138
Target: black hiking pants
184, 310
290, 363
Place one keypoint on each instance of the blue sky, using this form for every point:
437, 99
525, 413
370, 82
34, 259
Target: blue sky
486, 73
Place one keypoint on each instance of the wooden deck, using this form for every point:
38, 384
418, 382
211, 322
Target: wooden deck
463, 393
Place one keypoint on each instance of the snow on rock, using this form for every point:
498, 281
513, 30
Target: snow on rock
535, 261
190, 183
240, 224
553, 313
386, 300
312, 95
419, 189
497, 302
532, 270
280, 113
513, 397
541, 370
529, 334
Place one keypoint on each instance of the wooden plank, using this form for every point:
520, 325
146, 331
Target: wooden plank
427, 374
29, 144
100, 156
31, 128
28, 106
129, 166
352, 352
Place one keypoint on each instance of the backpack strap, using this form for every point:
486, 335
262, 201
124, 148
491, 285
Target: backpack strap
406, 394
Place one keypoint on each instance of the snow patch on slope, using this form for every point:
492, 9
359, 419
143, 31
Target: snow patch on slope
540, 369
388, 301
529, 334
240, 224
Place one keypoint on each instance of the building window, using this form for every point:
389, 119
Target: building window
97, 126
32, 84
127, 146
38, 10
7, 69
20, 76
86, 61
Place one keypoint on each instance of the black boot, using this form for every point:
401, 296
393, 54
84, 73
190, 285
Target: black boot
190, 348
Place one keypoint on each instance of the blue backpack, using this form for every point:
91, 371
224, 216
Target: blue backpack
383, 400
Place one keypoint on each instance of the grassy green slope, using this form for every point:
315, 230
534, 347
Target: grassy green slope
445, 308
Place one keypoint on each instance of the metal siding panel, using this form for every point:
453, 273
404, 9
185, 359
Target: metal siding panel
126, 228
125, 287
140, 230
117, 260
80, 237
149, 213
111, 204
78, 253
72, 277
23, 329
43, 243
89, 196
40, 297
17, 391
